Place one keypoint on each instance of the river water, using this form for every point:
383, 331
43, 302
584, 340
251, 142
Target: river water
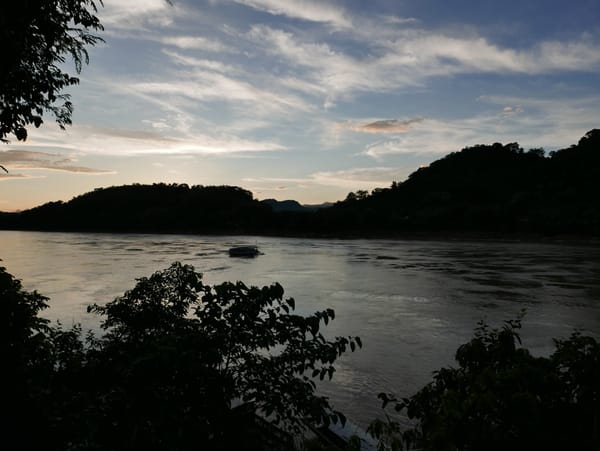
411, 302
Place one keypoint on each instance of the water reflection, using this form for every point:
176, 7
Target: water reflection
411, 302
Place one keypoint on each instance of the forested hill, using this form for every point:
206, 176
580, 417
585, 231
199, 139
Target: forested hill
148, 208
486, 188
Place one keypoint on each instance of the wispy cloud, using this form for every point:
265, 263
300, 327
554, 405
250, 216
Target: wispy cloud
396, 20
213, 86
351, 179
25, 159
195, 43
411, 56
190, 61
125, 142
549, 123
435, 54
16, 176
360, 178
131, 15
310, 10
383, 126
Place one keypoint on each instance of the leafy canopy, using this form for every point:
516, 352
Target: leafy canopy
501, 397
37, 38
256, 346
177, 359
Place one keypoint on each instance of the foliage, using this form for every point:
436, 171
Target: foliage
501, 397
35, 357
22, 330
37, 37
176, 358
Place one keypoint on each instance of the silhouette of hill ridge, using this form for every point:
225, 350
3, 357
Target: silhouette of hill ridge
484, 188
293, 205
499, 188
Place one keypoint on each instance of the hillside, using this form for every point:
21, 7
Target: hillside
485, 188
148, 208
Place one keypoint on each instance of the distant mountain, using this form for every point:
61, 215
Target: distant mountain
485, 188
292, 205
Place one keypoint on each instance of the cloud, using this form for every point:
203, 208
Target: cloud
212, 86
532, 122
395, 20
440, 54
512, 110
125, 142
15, 176
360, 178
24, 159
407, 58
352, 179
310, 10
384, 126
435, 137
331, 72
195, 43
130, 15
190, 61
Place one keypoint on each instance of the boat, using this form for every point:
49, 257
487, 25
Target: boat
244, 251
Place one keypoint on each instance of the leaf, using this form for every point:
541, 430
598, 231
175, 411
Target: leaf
341, 417
331, 313
21, 134
291, 303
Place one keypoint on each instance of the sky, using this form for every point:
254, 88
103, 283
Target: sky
310, 99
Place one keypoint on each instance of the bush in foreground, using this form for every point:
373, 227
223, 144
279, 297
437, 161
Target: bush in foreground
502, 398
176, 358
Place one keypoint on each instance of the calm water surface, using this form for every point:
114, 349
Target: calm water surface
411, 302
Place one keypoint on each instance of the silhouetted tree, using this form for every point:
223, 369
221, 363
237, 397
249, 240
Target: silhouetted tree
37, 36
177, 356
501, 397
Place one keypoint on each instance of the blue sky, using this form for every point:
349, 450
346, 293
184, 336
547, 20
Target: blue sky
310, 99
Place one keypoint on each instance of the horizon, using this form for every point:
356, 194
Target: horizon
204, 186
307, 100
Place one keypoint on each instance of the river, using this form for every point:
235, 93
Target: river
411, 302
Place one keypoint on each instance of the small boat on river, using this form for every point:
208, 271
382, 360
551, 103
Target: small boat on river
244, 251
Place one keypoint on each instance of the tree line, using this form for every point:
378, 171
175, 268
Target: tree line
485, 188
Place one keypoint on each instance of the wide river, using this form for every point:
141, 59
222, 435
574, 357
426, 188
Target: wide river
411, 302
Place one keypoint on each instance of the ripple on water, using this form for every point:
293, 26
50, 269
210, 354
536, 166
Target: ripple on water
412, 303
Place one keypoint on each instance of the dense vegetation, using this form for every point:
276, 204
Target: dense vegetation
502, 398
146, 208
498, 188
37, 37
175, 359
486, 188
